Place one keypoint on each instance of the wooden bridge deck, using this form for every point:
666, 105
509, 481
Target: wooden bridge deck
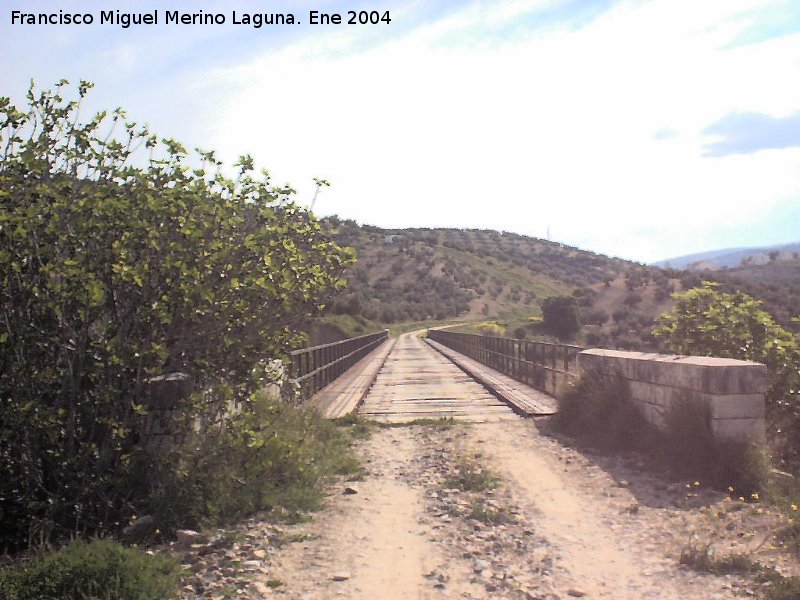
416, 382
410, 379
524, 399
343, 395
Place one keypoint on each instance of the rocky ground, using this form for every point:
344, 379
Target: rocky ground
493, 510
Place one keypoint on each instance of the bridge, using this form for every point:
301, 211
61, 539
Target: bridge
426, 377
443, 374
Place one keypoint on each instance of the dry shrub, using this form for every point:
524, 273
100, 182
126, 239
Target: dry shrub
691, 449
599, 411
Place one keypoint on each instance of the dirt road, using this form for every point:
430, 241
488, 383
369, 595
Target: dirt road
556, 525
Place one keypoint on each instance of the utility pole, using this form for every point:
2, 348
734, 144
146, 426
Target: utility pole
320, 183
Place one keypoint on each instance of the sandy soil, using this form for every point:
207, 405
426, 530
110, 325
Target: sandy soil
560, 524
367, 544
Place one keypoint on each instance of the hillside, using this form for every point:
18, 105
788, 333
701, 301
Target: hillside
776, 284
407, 276
732, 257
419, 274
422, 275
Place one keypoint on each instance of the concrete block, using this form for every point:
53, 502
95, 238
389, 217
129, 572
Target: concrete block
722, 406
652, 393
653, 413
753, 430
736, 406
732, 389
700, 373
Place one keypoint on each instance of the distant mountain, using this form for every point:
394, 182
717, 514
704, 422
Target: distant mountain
732, 257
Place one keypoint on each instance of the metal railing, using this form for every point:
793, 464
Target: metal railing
313, 368
544, 366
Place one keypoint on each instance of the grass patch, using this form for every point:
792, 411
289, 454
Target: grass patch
489, 514
291, 538
97, 570
789, 536
350, 325
440, 424
783, 588
701, 559
357, 426
471, 477
273, 456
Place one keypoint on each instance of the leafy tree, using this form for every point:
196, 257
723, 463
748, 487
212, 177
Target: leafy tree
116, 267
560, 316
707, 322
632, 299
596, 316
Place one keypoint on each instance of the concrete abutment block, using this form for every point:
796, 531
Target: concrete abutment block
734, 390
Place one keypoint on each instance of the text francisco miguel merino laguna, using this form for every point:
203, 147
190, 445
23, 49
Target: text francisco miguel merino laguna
176, 17
171, 17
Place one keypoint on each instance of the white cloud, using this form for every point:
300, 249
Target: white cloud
556, 129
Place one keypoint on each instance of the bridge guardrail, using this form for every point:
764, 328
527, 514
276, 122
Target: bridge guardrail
545, 366
313, 368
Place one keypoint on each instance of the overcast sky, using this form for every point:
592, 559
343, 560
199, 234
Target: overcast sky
644, 129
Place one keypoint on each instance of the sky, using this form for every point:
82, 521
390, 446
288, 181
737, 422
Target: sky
644, 129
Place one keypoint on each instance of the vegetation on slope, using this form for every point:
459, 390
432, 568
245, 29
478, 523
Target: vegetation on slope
418, 275
423, 274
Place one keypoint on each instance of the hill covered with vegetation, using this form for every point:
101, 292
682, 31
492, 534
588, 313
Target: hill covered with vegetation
406, 276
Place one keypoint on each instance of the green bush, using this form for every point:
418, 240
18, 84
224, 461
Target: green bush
271, 455
116, 268
560, 316
707, 322
491, 329
96, 570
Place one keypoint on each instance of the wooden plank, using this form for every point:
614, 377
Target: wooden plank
344, 394
416, 382
523, 399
